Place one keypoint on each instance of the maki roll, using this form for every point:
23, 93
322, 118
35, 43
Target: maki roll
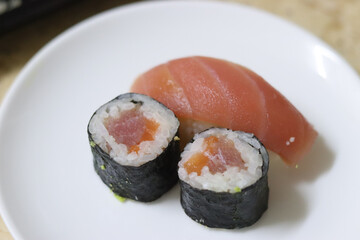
135, 146
223, 178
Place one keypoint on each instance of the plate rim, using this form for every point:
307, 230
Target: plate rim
87, 23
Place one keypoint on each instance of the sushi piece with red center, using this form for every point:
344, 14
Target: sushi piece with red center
135, 146
223, 178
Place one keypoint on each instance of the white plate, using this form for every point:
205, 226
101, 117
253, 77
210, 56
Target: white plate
48, 187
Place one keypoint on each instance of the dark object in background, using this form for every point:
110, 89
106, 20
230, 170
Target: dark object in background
15, 12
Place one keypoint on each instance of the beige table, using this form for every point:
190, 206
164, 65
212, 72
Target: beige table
337, 22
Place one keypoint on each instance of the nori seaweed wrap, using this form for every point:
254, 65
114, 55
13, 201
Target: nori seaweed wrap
135, 146
223, 179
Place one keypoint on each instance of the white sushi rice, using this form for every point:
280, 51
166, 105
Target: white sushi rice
149, 150
232, 179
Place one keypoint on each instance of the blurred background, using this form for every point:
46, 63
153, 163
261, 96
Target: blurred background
27, 25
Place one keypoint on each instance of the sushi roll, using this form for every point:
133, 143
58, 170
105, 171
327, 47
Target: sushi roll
135, 146
223, 178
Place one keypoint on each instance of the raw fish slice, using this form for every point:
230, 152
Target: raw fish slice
219, 152
131, 128
165, 88
221, 93
206, 96
245, 101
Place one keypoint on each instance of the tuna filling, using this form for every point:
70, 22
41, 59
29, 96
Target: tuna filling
219, 152
131, 128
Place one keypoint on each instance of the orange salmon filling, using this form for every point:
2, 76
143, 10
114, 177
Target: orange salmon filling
219, 152
131, 128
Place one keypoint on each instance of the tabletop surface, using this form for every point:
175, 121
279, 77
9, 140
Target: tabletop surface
336, 22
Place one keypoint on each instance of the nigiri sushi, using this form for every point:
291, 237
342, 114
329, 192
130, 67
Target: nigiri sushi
205, 92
